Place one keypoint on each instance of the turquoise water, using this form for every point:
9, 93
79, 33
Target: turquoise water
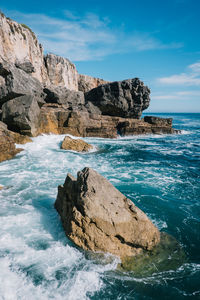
160, 173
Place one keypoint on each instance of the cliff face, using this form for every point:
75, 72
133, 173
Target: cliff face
87, 83
19, 46
61, 72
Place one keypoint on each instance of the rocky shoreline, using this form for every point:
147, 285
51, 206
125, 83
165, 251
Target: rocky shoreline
45, 94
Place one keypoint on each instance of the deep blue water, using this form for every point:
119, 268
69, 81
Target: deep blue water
159, 173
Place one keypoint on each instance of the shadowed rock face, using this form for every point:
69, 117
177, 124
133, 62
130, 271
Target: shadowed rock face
22, 114
15, 82
97, 217
127, 98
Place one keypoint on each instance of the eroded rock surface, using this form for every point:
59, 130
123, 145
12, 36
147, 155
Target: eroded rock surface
75, 145
87, 83
127, 98
22, 115
97, 217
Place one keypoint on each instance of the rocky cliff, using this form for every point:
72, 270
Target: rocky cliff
19, 46
87, 83
45, 94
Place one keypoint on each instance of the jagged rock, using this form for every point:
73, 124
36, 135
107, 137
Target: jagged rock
127, 98
158, 121
61, 72
62, 95
58, 119
16, 82
97, 217
7, 144
22, 115
87, 83
18, 44
25, 66
75, 145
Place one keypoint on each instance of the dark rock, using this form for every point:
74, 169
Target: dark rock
22, 114
25, 66
158, 121
97, 217
15, 82
62, 95
127, 98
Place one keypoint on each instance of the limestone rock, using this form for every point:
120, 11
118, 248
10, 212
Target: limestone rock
59, 119
97, 217
61, 72
87, 83
18, 44
22, 115
62, 95
127, 98
75, 145
7, 144
15, 82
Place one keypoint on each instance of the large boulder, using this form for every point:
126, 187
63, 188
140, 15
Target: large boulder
62, 95
127, 98
97, 217
75, 145
15, 82
22, 115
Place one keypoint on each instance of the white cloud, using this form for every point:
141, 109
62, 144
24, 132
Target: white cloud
181, 95
191, 78
87, 37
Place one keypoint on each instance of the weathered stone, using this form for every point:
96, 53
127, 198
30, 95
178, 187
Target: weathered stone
18, 44
75, 145
58, 119
62, 95
97, 217
87, 83
158, 121
16, 82
127, 98
25, 66
22, 115
7, 142
61, 72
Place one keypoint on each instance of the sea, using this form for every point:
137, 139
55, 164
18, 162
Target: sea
159, 173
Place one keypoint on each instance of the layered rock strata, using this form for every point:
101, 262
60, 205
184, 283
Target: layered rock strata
59, 120
97, 217
75, 145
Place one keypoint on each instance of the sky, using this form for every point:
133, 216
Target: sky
157, 41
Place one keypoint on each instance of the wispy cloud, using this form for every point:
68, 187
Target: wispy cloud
87, 37
189, 78
180, 95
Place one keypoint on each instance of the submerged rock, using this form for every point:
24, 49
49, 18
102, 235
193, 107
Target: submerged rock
97, 217
167, 255
75, 145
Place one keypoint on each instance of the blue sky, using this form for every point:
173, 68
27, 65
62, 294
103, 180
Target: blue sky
157, 41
